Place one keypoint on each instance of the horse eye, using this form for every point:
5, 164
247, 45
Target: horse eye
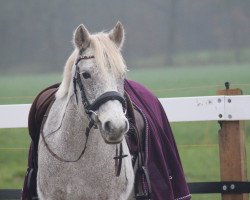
86, 75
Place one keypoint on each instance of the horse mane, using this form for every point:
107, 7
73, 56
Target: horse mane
106, 53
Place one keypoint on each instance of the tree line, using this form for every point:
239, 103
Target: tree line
36, 35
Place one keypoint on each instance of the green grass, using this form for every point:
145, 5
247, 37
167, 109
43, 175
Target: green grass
23, 88
13, 159
197, 141
197, 58
193, 81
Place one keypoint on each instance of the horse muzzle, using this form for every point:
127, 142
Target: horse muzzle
113, 131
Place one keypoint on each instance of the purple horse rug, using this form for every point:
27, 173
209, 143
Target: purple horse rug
161, 155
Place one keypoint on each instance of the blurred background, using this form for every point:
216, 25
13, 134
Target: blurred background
177, 48
36, 35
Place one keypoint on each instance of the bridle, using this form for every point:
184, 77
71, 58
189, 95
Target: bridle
90, 109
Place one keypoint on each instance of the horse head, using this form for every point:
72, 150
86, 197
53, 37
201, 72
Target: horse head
98, 71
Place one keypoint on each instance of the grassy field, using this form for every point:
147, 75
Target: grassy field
197, 141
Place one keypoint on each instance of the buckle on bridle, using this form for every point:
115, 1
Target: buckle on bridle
93, 116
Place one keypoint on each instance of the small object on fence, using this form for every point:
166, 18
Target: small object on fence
232, 186
227, 85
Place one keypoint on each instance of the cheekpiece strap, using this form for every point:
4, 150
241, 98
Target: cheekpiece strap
77, 80
111, 95
107, 96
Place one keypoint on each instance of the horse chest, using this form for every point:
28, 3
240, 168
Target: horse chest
92, 177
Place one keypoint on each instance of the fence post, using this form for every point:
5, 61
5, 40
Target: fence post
232, 151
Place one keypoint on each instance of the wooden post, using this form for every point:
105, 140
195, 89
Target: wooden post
232, 151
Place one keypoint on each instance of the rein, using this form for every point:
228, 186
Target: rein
90, 108
91, 124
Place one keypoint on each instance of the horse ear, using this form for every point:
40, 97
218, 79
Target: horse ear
117, 35
81, 38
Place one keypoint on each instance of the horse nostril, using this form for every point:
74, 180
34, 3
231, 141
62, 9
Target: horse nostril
115, 128
107, 126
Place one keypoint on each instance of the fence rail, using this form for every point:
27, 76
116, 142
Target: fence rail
203, 108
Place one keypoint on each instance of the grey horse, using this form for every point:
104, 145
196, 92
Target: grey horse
65, 171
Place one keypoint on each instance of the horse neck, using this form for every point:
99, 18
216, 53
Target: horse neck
69, 139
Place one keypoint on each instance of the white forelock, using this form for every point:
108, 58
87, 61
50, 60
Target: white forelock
106, 53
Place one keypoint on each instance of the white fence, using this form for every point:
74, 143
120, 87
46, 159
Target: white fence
205, 108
